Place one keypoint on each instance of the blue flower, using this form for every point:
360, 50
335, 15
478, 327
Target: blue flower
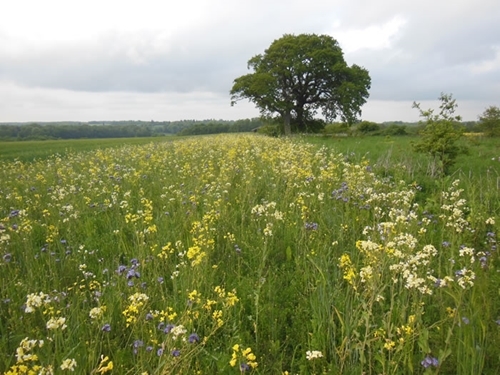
106, 328
168, 328
430, 361
244, 367
175, 352
193, 337
311, 226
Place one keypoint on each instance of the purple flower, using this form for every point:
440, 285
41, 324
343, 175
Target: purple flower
465, 320
193, 337
7, 257
168, 328
121, 269
429, 361
132, 273
13, 213
311, 226
160, 280
159, 352
244, 367
175, 352
106, 328
149, 316
149, 348
134, 262
445, 244
138, 343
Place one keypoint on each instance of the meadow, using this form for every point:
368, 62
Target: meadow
31, 150
248, 254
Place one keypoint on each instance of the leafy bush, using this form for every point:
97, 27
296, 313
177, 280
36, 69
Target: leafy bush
394, 130
490, 122
441, 134
367, 127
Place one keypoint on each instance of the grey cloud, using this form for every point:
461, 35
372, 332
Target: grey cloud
434, 51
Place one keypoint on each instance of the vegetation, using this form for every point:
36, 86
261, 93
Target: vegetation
299, 75
121, 129
250, 254
490, 121
27, 151
441, 135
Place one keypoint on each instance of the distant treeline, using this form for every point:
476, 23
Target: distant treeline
131, 129
121, 129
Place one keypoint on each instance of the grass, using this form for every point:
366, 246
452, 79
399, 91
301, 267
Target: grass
242, 253
30, 150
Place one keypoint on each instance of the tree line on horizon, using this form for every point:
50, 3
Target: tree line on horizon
122, 129
133, 129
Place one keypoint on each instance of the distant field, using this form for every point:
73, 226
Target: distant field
30, 150
482, 158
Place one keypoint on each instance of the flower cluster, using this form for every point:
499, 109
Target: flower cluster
244, 357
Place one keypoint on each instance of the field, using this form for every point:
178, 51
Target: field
30, 150
247, 254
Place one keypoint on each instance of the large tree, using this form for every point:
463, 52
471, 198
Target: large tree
299, 75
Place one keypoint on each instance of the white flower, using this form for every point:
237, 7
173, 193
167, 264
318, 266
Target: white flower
178, 330
68, 364
96, 312
55, 323
313, 354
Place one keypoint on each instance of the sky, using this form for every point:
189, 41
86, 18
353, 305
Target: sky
165, 60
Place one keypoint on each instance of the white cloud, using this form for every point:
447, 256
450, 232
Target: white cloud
373, 37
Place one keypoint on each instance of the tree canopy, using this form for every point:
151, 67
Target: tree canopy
299, 75
490, 121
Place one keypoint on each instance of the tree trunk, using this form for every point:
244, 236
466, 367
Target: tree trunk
288, 129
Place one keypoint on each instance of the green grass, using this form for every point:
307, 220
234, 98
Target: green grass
30, 150
273, 256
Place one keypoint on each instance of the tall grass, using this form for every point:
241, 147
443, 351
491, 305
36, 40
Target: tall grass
232, 254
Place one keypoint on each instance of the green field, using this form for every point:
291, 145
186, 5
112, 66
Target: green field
30, 150
248, 254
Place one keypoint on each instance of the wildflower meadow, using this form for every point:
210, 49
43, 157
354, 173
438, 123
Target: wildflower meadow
243, 254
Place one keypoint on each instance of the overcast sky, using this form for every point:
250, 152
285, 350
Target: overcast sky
172, 60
